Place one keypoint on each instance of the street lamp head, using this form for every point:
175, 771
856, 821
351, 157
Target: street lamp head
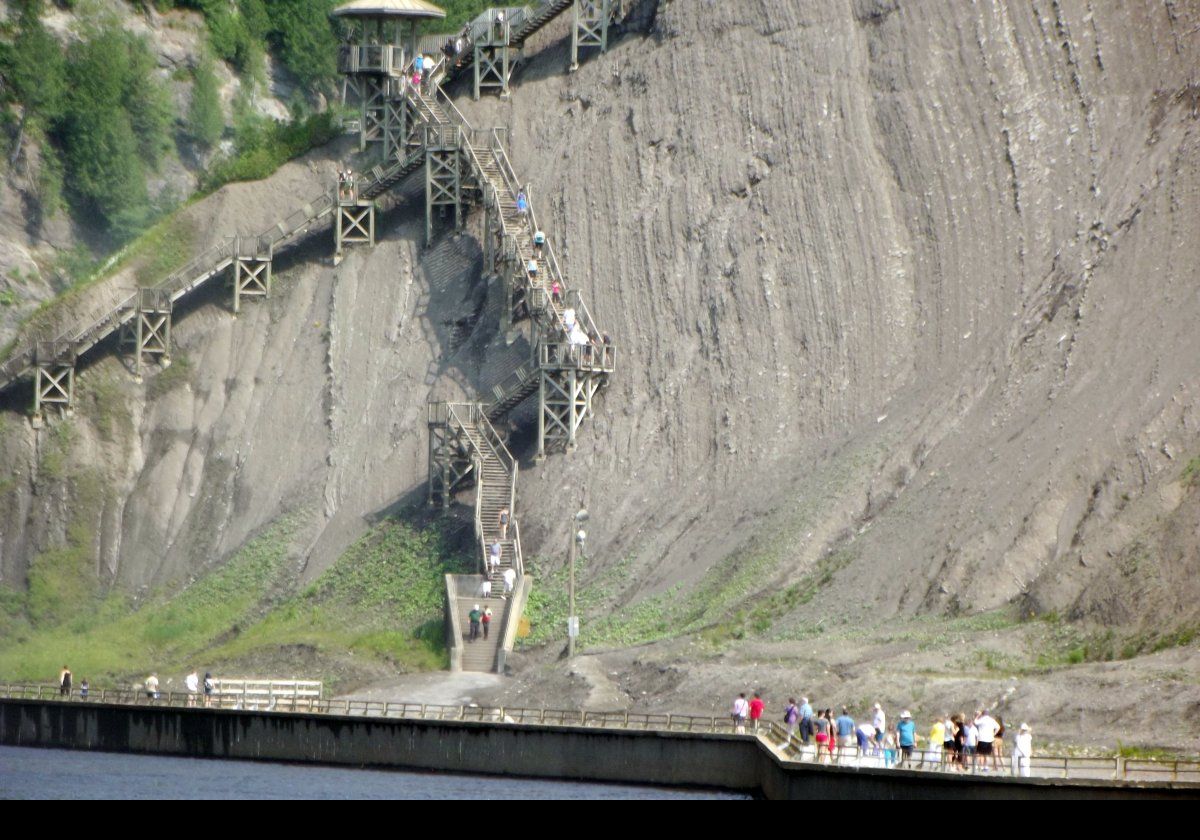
581, 537
582, 515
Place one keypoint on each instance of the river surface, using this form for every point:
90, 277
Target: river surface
27, 773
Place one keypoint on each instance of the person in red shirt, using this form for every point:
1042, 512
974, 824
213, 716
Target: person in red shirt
756, 709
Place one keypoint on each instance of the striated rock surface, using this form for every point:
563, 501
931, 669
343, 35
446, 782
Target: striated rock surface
912, 283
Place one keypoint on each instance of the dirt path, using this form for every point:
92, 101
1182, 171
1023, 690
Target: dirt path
441, 688
603, 693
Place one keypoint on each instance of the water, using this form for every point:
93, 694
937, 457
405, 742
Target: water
27, 773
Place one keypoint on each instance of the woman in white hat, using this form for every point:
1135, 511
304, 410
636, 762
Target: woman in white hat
1022, 751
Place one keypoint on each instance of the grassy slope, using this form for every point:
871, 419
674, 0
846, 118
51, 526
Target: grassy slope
383, 598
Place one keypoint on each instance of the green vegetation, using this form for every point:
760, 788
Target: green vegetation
205, 122
62, 580
382, 600
299, 32
263, 145
719, 609
103, 636
101, 105
169, 378
759, 618
55, 452
99, 397
1191, 473
162, 249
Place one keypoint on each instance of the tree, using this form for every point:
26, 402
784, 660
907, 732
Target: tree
303, 38
205, 121
115, 122
34, 67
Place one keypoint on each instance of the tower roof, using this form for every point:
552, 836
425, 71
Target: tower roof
389, 9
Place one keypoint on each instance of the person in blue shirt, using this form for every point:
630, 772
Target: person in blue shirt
806, 720
845, 729
906, 737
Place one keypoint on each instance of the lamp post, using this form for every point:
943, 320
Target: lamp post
578, 536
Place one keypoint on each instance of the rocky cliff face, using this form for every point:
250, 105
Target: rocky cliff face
916, 285
913, 280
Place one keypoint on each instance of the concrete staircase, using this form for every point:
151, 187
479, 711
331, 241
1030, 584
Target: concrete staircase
480, 655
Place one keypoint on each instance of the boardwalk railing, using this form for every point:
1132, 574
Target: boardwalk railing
935, 761
787, 747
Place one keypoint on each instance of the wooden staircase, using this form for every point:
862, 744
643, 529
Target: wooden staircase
472, 439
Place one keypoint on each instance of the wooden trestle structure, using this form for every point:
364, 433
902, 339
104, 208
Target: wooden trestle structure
418, 128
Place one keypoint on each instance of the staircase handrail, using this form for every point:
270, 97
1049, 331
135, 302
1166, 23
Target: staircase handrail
493, 439
518, 555
478, 462
512, 382
506, 169
441, 99
594, 356
509, 176
531, 23
512, 519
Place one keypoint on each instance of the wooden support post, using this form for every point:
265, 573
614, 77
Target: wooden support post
443, 178
493, 67
589, 26
355, 222
393, 129
54, 377
251, 271
476, 65
573, 416
450, 458
374, 101
148, 332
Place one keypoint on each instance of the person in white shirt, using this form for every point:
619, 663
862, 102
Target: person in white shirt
1022, 752
510, 580
970, 743
986, 729
741, 710
866, 737
879, 721
192, 682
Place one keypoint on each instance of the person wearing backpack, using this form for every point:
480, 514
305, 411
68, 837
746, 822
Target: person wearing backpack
790, 715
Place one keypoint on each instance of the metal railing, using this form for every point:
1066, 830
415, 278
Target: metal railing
774, 735
370, 58
597, 357
474, 415
936, 761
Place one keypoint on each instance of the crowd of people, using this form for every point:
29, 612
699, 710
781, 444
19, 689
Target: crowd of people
956, 742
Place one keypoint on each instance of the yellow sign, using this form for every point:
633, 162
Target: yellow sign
523, 628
